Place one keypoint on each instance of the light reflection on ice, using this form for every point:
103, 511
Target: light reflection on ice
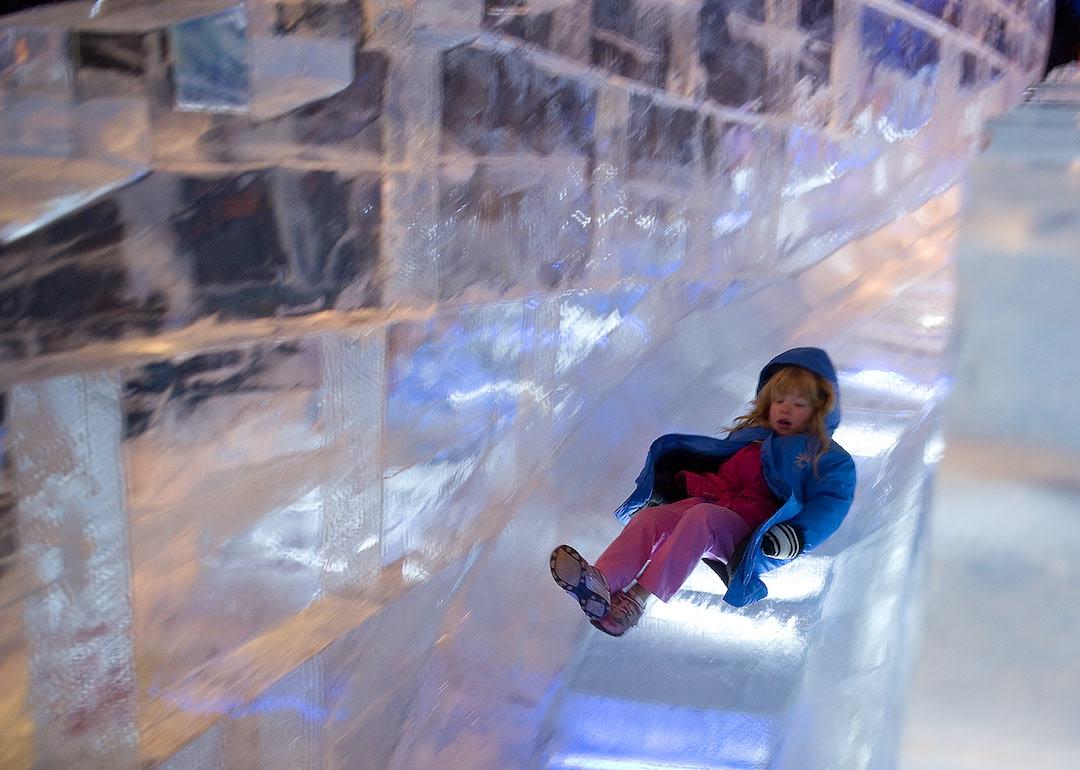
894, 133
690, 616
933, 321
282, 535
591, 762
863, 440
413, 571
580, 331
581, 217
889, 383
483, 393
625, 733
740, 180
881, 177
800, 187
415, 489
730, 222
646, 221
603, 217
802, 579
935, 450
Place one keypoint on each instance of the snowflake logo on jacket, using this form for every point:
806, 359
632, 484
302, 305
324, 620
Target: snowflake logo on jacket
803, 459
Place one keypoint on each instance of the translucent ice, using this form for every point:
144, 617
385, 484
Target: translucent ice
322, 322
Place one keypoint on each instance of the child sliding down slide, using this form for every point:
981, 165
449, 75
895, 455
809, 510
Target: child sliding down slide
774, 488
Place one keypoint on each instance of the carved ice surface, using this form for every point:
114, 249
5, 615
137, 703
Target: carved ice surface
213, 62
323, 321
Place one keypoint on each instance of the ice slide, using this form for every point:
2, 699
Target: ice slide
323, 323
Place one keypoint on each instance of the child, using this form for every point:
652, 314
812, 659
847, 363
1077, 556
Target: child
774, 488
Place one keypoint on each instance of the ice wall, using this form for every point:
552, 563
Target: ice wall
1011, 467
1019, 243
321, 322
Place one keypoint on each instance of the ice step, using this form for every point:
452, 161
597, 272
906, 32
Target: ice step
196, 53
291, 71
53, 125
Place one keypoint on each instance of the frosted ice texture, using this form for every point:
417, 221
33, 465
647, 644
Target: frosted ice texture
361, 330
1010, 469
1029, 224
73, 534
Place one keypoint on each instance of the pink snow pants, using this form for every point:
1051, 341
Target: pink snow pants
672, 538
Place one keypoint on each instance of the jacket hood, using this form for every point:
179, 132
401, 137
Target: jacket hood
817, 361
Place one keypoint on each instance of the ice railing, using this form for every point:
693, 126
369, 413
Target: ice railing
302, 301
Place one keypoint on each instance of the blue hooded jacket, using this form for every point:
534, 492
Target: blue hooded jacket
815, 504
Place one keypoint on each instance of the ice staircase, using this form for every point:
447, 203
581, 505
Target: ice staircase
322, 321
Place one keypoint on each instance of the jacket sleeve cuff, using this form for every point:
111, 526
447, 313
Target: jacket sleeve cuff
782, 541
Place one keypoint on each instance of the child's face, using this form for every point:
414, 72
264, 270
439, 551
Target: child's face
790, 413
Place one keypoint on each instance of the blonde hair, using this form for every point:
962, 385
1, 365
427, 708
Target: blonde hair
794, 379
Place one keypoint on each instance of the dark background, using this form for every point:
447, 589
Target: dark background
1065, 44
